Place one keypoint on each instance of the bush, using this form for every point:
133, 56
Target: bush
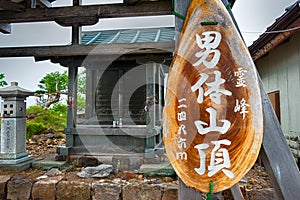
51, 118
34, 111
34, 128
61, 109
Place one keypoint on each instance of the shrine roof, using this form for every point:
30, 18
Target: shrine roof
287, 22
163, 34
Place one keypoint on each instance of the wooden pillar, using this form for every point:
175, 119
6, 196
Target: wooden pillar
185, 192
155, 92
181, 8
121, 94
91, 75
77, 2
76, 34
72, 104
76, 28
161, 75
150, 93
150, 117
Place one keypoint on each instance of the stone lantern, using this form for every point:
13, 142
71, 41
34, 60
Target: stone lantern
13, 126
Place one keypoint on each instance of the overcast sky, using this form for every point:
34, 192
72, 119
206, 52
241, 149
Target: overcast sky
253, 18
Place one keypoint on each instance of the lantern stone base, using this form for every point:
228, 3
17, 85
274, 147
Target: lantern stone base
19, 164
13, 156
15, 161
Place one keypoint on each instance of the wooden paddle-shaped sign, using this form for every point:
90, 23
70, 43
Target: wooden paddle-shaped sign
212, 118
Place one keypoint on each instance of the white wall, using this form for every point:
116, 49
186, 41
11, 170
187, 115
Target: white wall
280, 71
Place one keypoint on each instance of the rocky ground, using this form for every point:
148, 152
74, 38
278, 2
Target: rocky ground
255, 185
44, 145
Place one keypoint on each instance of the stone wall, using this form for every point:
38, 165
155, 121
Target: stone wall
294, 144
52, 188
61, 187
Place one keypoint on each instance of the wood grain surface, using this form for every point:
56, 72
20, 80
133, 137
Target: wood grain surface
197, 142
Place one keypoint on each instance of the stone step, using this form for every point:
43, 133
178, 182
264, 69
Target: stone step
160, 169
49, 163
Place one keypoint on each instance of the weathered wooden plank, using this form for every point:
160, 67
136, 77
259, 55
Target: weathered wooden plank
276, 155
82, 13
236, 192
79, 50
185, 193
5, 28
181, 7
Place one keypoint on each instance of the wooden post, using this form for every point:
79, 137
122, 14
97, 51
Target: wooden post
185, 193
121, 95
76, 31
236, 192
72, 104
275, 152
161, 75
91, 75
276, 155
181, 8
150, 117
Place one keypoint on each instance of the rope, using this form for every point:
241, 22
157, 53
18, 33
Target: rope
176, 13
229, 6
210, 194
278, 31
209, 23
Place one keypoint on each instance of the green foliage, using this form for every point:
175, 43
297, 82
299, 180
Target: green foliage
34, 128
53, 82
82, 82
2, 81
61, 109
80, 103
49, 118
33, 111
51, 87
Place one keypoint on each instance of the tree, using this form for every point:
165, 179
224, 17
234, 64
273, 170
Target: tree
2, 81
82, 82
52, 86
81, 91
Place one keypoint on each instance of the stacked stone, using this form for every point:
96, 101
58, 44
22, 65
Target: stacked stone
57, 187
294, 144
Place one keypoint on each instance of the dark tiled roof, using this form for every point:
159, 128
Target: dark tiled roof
128, 36
292, 13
